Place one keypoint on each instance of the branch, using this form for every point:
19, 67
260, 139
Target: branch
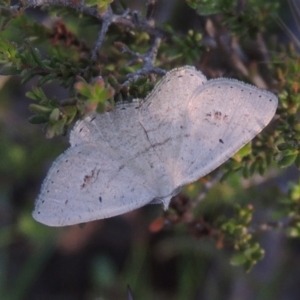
148, 60
130, 19
282, 224
91, 11
107, 19
207, 186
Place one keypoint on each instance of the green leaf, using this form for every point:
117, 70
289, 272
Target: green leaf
207, 7
54, 116
47, 78
244, 151
36, 94
262, 167
294, 230
238, 259
246, 171
297, 161
7, 70
40, 109
37, 57
57, 128
83, 88
287, 160
38, 119
27, 75
70, 112
229, 173
285, 146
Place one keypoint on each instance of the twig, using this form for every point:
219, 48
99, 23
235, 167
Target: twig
106, 22
148, 60
281, 224
207, 186
143, 72
151, 5
79, 7
129, 19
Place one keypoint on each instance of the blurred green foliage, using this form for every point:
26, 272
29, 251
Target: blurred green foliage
60, 54
242, 17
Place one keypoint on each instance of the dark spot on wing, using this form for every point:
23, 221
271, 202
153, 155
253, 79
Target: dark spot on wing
66, 202
100, 199
221, 141
93, 119
218, 115
80, 129
123, 108
90, 178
